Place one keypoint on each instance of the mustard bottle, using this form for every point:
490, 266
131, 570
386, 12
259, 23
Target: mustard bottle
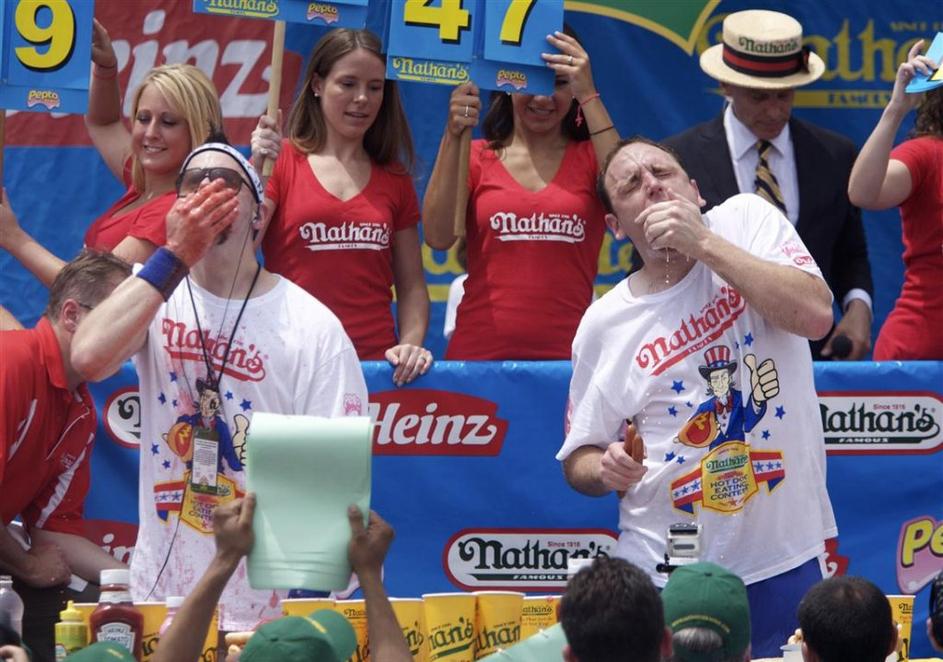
71, 632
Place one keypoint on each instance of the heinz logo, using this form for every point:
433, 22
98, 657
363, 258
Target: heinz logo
122, 417
520, 559
48, 98
881, 422
430, 422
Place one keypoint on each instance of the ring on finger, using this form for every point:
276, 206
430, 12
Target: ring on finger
466, 110
571, 61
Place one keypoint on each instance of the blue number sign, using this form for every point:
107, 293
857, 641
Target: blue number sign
334, 14
431, 41
46, 46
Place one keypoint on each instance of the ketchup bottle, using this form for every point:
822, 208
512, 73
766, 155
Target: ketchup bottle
116, 619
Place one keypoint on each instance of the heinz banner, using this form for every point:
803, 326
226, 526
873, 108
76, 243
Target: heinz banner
464, 469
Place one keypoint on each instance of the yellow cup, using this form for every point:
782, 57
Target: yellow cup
497, 621
304, 606
902, 610
154, 614
538, 613
450, 626
355, 611
411, 619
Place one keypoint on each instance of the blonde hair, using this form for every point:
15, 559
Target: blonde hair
191, 94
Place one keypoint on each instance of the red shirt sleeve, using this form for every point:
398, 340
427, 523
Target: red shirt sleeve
65, 496
16, 377
150, 221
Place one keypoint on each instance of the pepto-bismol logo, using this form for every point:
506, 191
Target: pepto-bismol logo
431, 422
888, 422
520, 559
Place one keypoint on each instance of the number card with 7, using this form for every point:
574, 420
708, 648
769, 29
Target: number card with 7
515, 35
46, 47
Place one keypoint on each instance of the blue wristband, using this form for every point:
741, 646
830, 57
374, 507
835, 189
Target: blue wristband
164, 271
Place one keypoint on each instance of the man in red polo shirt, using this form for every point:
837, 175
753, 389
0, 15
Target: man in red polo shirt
47, 425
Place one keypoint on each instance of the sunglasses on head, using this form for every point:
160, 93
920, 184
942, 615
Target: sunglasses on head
189, 180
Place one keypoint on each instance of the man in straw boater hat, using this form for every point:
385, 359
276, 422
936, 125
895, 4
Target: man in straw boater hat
755, 145
724, 293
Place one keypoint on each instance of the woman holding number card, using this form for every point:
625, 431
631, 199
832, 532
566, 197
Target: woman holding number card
175, 108
533, 223
909, 176
341, 208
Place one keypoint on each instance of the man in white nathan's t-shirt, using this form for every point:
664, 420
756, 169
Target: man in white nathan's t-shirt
704, 350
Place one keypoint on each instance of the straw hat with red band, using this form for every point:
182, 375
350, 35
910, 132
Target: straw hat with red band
762, 49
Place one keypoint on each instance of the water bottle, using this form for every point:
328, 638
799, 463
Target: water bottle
10, 604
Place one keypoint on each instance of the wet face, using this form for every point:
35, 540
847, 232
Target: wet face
160, 136
764, 112
351, 94
720, 383
247, 204
540, 113
639, 176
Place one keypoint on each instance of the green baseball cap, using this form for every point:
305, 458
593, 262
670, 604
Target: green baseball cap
708, 596
323, 636
102, 651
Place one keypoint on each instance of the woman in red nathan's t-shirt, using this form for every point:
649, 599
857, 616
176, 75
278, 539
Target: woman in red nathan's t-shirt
340, 206
534, 225
175, 108
911, 176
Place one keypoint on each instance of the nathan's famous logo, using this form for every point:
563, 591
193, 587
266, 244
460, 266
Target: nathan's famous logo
881, 422
48, 98
856, 53
692, 334
520, 559
568, 228
428, 71
323, 12
516, 79
430, 422
116, 538
919, 553
193, 508
349, 235
255, 8
245, 363
122, 417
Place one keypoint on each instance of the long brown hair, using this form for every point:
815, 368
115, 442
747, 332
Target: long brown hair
929, 120
498, 124
388, 141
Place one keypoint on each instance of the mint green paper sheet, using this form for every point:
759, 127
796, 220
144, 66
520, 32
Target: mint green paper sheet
305, 471
545, 646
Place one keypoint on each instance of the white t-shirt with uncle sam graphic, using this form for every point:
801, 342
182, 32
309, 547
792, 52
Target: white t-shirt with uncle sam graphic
289, 355
678, 363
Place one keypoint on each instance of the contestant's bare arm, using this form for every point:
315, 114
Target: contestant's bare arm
438, 205
116, 329
85, 558
596, 471
787, 297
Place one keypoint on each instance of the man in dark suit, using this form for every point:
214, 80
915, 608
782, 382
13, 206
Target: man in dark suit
756, 146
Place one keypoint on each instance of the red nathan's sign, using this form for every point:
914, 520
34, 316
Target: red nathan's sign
432, 422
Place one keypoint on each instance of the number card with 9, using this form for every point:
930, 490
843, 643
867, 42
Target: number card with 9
46, 47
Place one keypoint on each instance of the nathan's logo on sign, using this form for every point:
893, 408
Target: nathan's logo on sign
516, 79
122, 417
427, 71
430, 422
116, 538
48, 98
692, 334
919, 553
322, 12
253, 8
888, 422
520, 559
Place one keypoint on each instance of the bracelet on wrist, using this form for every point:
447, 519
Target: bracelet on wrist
608, 128
590, 98
164, 271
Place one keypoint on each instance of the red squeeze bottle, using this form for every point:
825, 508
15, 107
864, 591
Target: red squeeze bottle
116, 619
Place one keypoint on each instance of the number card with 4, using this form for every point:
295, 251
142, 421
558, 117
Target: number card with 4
46, 54
923, 83
515, 35
333, 14
431, 41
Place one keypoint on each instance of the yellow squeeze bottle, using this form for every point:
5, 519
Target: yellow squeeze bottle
71, 632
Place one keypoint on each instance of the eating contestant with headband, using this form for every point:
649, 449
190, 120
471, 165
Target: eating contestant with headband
214, 338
